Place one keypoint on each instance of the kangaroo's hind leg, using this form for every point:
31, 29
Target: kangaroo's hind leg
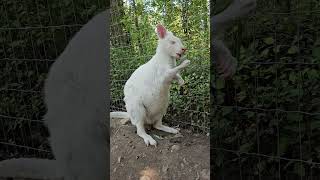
158, 125
137, 113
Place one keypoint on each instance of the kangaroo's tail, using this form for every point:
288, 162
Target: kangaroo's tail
120, 115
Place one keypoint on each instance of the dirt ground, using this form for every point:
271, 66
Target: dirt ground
185, 156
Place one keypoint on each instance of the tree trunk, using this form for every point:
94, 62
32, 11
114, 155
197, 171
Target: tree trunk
184, 17
205, 18
119, 36
136, 23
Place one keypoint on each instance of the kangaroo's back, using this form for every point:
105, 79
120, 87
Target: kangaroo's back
75, 96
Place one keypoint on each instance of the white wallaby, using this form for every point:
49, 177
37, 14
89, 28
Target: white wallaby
75, 95
147, 91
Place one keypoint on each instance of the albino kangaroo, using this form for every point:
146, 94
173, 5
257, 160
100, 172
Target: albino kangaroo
75, 96
147, 91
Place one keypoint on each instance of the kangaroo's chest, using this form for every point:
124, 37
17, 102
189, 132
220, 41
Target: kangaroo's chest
157, 91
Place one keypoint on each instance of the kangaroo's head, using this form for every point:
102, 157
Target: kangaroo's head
168, 43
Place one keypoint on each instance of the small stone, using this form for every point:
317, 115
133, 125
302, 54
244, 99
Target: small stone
175, 148
159, 137
178, 136
137, 157
188, 131
113, 148
198, 176
120, 159
165, 169
208, 134
124, 121
182, 165
115, 169
185, 161
133, 147
205, 174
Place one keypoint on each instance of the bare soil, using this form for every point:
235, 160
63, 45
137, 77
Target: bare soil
185, 156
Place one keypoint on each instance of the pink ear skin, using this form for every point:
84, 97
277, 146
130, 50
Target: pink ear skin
161, 31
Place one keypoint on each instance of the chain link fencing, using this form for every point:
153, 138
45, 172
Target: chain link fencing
32, 35
266, 119
134, 41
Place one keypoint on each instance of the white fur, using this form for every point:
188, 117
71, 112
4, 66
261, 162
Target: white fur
75, 91
147, 91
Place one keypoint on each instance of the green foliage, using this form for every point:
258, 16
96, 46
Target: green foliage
276, 90
189, 104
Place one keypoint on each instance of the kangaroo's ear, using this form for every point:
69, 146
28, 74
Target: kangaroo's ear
161, 31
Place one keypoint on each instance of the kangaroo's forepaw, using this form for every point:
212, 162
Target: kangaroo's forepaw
180, 82
186, 62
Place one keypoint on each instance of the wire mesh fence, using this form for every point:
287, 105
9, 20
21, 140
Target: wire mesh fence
266, 120
134, 42
32, 35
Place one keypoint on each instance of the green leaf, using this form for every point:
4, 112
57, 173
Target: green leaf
313, 74
277, 49
293, 50
316, 52
250, 114
265, 52
293, 92
241, 96
226, 110
292, 77
268, 40
245, 147
220, 83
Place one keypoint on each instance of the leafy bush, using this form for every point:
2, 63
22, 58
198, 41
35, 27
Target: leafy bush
267, 117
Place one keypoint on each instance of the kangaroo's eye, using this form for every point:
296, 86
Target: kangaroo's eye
173, 42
